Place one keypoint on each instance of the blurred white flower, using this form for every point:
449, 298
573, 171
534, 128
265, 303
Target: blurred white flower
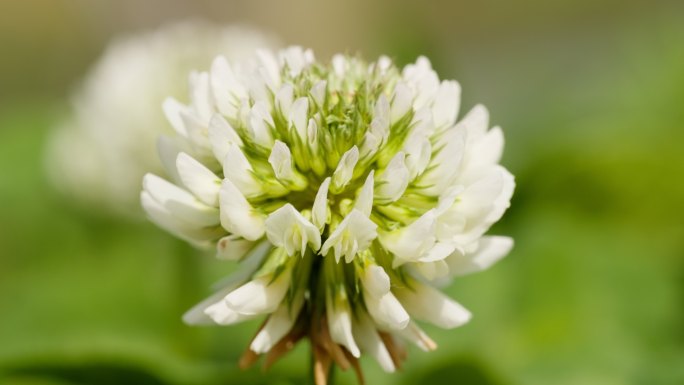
354, 185
99, 153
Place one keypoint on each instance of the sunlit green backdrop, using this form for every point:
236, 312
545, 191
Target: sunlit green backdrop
591, 98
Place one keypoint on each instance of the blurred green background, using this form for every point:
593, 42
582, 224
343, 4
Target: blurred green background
591, 98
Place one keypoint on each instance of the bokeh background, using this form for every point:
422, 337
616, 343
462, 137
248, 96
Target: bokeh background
591, 98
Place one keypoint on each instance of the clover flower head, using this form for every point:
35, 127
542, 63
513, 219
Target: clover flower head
346, 190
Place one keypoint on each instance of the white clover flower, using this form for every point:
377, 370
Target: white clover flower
100, 152
353, 187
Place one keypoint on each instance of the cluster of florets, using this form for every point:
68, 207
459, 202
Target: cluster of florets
344, 189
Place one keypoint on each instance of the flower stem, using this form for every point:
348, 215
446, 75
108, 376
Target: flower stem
312, 371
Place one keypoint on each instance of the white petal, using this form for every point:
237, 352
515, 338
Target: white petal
446, 104
438, 252
370, 145
221, 136
416, 335
401, 102
318, 92
260, 123
233, 247
364, 200
200, 94
480, 205
258, 84
270, 66
503, 201
162, 217
392, 182
221, 314
452, 219
298, 117
491, 249
247, 266
345, 169
180, 202
418, 153
296, 59
382, 305
284, 99
260, 295
278, 325
354, 234
410, 242
237, 168
339, 63
237, 215
387, 311
226, 88
431, 270
320, 212
380, 125
370, 342
312, 134
375, 280
444, 165
423, 123
424, 81
168, 151
448, 198
197, 315
172, 110
287, 228
196, 131
476, 123
384, 64
339, 323
281, 160
415, 71
426, 303
488, 150
198, 179
381, 111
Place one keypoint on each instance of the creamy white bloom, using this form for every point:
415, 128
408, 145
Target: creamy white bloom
360, 180
287, 228
180, 202
410, 243
99, 153
352, 235
201, 181
366, 333
233, 247
345, 168
393, 180
381, 304
340, 321
239, 171
277, 326
489, 251
237, 214
426, 303
416, 335
198, 315
321, 211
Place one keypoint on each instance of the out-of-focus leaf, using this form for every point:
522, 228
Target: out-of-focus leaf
457, 370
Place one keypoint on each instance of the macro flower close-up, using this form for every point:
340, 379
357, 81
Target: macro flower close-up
353, 192
347, 191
